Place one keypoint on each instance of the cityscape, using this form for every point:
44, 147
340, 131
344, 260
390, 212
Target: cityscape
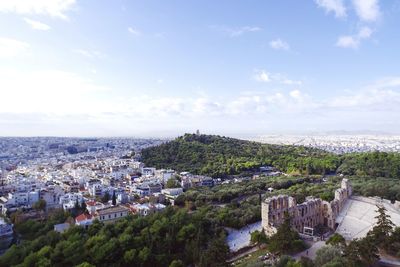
338, 143
199, 133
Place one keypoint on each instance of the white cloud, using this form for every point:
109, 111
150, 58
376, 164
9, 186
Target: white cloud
365, 33
335, 6
380, 99
279, 44
68, 94
347, 42
204, 105
264, 76
53, 8
134, 31
51, 91
89, 53
295, 94
10, 48
291, 82
370, 99
236, 32
58, 98
37, 25
367, 10
353, 41
242, 30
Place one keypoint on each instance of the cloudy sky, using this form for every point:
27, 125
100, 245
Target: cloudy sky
162, 68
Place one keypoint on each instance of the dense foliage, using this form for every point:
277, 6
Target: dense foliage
374, 164
170, 237
221, 156
286, 239
236, 205
218, 156
388, 188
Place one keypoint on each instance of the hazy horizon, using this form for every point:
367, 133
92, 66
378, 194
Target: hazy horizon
164, 135
133, 68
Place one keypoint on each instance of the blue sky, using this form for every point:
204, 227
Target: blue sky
162, 68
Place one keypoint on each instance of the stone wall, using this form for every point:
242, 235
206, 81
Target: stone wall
312, 212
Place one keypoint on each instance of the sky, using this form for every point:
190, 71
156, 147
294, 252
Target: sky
163, 68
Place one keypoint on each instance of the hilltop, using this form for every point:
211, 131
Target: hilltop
219, 156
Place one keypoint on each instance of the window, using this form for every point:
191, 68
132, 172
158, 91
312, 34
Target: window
109, 216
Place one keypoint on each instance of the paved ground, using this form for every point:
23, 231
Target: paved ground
312, 251
391, 263
358, 216
238, 239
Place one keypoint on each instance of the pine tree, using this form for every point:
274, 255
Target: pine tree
286, 239
76, 207
105, 198
361, 252
83, 206
381, 232
114, 199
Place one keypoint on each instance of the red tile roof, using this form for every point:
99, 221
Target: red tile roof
83, 217
91, 203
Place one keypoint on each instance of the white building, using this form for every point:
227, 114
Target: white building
68, 201
147, 208
164, 175
93, 206
172, 193
111, 214
84, 220
52, 196
96, 190
22, 198
148, 171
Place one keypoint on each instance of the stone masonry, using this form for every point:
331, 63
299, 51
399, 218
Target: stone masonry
312, 212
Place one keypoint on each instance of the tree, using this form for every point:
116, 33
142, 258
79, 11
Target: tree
144, 255
172, 183
129, 256
85, 264
76, 206
40, 205
381, 232
216, 253
307, 262
327, 254
193, 239
105, 198
287, 261
285, 239
336, 240
114, 199
83, 205
258, 237
176, 263
361, 252
394, 244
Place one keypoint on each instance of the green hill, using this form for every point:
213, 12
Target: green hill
220, 156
